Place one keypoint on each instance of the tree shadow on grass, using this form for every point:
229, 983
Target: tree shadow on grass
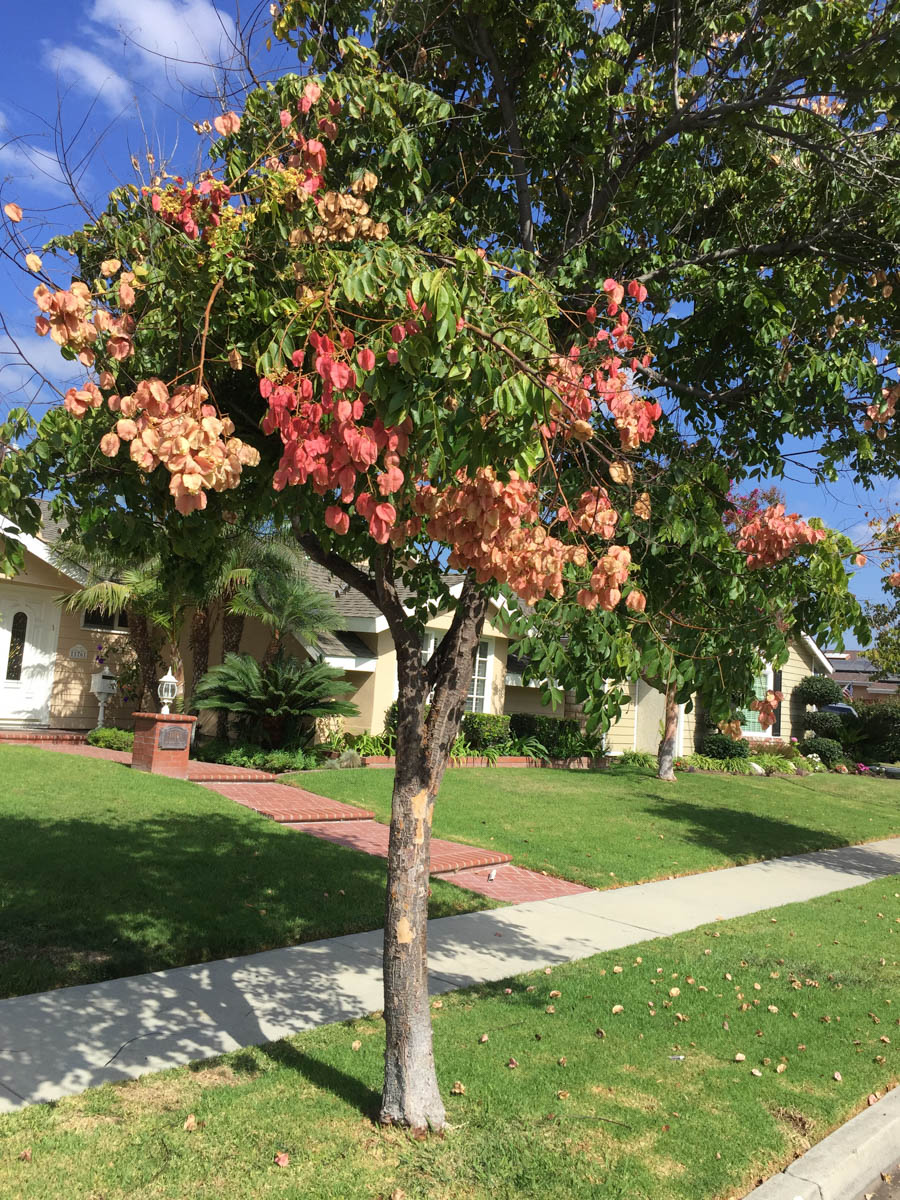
741, 836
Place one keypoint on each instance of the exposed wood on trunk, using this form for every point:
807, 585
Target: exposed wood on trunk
411, 1096
666, 756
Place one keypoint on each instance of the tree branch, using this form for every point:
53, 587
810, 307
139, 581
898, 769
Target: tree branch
513, 137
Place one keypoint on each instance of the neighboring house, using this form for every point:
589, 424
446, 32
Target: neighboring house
47, 657
856, 675
640, 726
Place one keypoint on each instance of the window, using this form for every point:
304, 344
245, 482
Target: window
478, 699
475, 701
96, 618
16, 646
750, 717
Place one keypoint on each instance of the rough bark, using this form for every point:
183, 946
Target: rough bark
201, 630
147, 659
232, 632
411, 1096
666, 756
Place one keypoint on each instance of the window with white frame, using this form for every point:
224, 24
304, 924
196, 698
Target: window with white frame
750, 717
479, 697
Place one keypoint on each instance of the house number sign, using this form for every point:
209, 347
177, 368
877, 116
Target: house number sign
173, 737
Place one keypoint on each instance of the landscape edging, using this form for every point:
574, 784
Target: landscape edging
846, 1164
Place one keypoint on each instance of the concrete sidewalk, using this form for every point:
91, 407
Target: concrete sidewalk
57, 1043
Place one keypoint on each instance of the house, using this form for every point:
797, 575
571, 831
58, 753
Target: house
640, 725
48, 655
856, 675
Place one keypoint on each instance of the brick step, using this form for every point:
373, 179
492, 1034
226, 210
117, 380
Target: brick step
287, 805
371, 837
42, 735
515, 885
207, 772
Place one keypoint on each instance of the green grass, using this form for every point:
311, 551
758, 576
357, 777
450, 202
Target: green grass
603, 828
107, 872
624, 1117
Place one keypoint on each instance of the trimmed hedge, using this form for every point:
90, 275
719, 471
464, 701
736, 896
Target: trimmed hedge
722, 747
111, 739
824, 724
561, 738
818, 690
828, 750
482, 731
880, 725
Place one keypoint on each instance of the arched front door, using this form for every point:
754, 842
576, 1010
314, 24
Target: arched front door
28, 637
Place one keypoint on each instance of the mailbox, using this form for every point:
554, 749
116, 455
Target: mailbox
103, 684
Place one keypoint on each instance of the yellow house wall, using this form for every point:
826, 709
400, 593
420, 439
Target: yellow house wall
799, 664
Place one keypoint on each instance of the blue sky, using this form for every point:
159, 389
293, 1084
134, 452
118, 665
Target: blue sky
124, 76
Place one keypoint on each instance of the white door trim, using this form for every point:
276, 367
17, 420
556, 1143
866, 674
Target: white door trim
39, 659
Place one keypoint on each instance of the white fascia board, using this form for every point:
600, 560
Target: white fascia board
364, 624
348, 663
42, 551
817, 653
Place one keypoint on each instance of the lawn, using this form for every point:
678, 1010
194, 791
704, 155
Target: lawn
644, 1104
107, 872
603, 828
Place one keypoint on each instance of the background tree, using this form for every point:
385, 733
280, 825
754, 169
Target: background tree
712, 621
443, 370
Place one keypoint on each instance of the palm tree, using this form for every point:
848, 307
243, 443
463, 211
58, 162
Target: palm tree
287, 604
155, 615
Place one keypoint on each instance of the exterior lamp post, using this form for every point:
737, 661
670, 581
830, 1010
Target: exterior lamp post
167, 690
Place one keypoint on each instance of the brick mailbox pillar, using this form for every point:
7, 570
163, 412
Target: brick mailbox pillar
162, 743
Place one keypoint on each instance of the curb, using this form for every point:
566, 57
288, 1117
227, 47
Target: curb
846, 1164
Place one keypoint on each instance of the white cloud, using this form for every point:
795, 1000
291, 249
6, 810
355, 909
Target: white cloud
25, 162
89, 73
191, 34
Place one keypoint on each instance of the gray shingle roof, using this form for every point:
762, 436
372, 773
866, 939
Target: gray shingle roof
348, 601
341, 644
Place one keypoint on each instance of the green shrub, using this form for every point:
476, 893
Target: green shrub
527, 747
818, 690
259, 758
275, 703
111, 739
562, 738
879, 728
374, 745
485, 730
773, 764
828, 750
638, 758
824, 724
721, 746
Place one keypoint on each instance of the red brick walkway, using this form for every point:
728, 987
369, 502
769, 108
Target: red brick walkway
289, 805
466, 866
516, 885
372, 838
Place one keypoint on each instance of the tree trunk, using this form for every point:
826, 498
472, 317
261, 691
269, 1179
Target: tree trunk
201, 630
147, 658
232, 632
666, 756
411, 1096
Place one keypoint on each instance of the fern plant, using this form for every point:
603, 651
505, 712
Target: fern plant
275, 701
